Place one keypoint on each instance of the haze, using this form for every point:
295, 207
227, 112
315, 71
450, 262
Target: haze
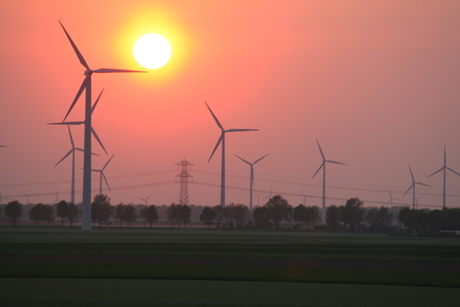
376, 82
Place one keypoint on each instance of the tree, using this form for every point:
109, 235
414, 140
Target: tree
130, 214
238, 213
207, 216
72, 213
184, 214
62, 210
278, 209
261, 217
13, 211
48, 214
37, 213
101, 210
332, 217
173, 214
312, 215
352, 213
220, 215
149, 214
120, 212
300, 214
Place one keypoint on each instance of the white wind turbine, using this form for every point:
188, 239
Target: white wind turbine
86, 85
444, 168
390, 201
304, 197
219, 141
71, 152
146, 199
414, 200
323, 166
101, 175
251, 181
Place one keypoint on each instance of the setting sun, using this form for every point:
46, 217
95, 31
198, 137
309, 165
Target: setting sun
152, 51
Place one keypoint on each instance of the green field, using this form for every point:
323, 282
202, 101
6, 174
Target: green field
178, 267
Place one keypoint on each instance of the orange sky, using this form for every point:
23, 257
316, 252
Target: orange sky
376, 82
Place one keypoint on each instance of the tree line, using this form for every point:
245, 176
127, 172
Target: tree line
277, 213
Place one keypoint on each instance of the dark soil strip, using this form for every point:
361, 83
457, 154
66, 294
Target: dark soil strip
341, 264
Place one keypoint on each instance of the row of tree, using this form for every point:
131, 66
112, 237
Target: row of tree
434, 220
270, 215
352, 215
276, 213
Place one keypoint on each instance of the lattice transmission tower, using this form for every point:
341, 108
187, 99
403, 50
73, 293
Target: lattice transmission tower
184, 166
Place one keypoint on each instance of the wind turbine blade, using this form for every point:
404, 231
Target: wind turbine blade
64, 157
80, 57
242, 159
408, 189
215, 118
445, 158
71, 138
115, 70
330, 161
105, 179
412, 175
259, 159
97, 100
67, 123
141, 198
103, 168
2, 146
217, 145
240, 130
452, 170
437, 171
320, 150
303, 192
80, 90
98, 140
427, 185
322, 165
149, 196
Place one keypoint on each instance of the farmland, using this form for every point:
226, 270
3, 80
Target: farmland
344, 269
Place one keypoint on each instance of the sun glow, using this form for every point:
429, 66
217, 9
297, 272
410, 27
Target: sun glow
152, 51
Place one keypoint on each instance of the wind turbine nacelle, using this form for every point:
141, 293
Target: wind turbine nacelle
88, 72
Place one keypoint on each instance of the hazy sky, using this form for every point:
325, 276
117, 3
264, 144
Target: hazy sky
376, 82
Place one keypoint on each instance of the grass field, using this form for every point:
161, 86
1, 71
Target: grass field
192, 267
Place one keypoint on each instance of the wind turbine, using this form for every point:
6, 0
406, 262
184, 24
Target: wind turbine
219, 141
27, 197
444, 168
414, 200
146, 199
304, 197
101, 175
251, 181
71, 152
86, 85
323, 166
390, 201
2, 198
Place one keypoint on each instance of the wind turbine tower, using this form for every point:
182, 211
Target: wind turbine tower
414, 200
101, 175
219, 141
323, 166
184, 166
251, 181
390, 201
444, 168
86, 85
